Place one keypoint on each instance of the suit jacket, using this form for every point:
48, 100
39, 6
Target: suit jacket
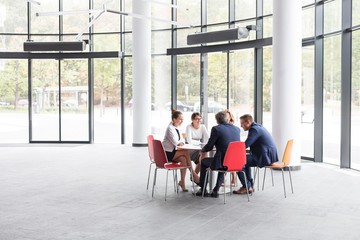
220, 137
262, 145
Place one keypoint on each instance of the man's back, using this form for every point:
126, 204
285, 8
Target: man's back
220, 137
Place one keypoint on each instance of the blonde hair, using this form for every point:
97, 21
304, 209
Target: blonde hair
232, 119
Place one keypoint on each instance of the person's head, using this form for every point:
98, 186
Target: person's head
196, 119
221, 117
246, 121
230, 116
177, 118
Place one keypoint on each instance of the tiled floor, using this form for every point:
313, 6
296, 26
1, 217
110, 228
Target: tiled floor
99, 192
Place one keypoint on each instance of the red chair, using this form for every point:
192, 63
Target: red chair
161, 162
234, 161
150, 139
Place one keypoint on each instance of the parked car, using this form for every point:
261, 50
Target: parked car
23, 102
213, 107
2, 103
180, 106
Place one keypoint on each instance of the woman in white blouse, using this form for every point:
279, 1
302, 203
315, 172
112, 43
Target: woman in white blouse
196, 133
173, 138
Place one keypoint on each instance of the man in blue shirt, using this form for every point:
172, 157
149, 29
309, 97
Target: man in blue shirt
262, 147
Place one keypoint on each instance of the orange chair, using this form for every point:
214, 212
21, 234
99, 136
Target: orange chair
282, 165
150, 138
234, 161
161, 162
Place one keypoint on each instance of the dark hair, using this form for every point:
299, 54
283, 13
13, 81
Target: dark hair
221, 117
175, 114
194, 115
247, 118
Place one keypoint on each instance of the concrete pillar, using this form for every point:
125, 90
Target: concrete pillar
141, 73
286, 87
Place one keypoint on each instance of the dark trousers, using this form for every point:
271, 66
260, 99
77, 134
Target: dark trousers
250, 162
205, 163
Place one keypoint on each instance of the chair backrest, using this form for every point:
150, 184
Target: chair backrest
287, 153
150, 139
235, 156
159, 154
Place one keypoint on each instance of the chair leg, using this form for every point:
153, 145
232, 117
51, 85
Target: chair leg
292, 190
167, 174
282, 172
205, 182
256, 174
247, 190
272, 177
192, 174
264, 179
147, 186
225, 186
152, 195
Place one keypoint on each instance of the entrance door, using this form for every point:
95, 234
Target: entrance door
60, 101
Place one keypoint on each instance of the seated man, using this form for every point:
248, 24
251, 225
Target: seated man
262, 148
220, 137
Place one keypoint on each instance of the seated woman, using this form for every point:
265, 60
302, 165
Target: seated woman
173, 139
196, 133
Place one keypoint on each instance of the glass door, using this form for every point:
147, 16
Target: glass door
60, 111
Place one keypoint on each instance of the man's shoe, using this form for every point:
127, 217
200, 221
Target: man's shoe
199, 193
242, 190
214, 194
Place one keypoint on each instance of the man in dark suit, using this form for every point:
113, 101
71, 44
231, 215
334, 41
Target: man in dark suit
220, 137
262, 147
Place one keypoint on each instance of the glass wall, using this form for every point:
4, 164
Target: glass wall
307, 102
355, 106
188, 86
332, 100
267, 72
217, 85
14, 118
107, 118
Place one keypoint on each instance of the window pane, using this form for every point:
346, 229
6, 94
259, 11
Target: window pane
106, 42
267, 71
74, 100
13, 16
217, 13
245, 9
355, 11
182, 36
107, 118
241, 85
45, 24
355, 106
107, 22
307, 102
268, 27
268, 7
188, 87
45, 92
76, 23
217, 85
189, 12
308, 19
332, 16
14, 118
160, 95
332, 99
